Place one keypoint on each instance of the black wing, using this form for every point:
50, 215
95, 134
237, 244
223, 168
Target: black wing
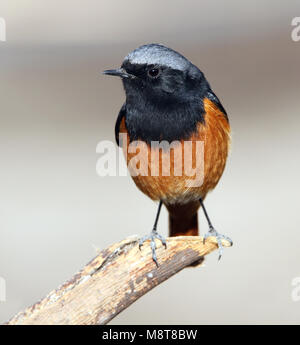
122, 114
211, 96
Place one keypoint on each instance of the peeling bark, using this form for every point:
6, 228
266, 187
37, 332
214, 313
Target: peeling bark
113, 280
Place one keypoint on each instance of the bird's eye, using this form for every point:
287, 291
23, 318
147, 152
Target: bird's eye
153, 72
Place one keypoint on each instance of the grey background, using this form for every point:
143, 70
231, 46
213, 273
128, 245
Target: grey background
56, 107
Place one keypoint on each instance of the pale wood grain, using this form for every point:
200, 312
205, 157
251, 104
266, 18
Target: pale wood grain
113, 280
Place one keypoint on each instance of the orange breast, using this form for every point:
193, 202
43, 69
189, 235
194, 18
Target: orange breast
165, 174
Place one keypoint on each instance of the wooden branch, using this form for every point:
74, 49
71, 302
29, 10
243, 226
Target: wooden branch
113, 280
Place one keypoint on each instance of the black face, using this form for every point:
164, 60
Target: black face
160, 83
163, 103
164, 99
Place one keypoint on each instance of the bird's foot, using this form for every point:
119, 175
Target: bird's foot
152, 236
213, 233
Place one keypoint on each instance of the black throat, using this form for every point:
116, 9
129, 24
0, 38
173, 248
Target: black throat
156, 119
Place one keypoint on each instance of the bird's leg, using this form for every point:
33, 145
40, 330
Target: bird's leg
213, 232
153, 235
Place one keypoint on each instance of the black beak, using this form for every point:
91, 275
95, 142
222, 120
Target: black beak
120, 72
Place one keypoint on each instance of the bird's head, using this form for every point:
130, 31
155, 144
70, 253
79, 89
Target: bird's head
154, 72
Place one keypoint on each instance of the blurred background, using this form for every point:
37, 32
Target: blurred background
55, 211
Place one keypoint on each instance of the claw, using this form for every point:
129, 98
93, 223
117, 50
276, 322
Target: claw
213, 233
152, 237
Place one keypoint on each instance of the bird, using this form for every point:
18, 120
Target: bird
169, 100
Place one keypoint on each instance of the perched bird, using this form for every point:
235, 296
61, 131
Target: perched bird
169, 99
